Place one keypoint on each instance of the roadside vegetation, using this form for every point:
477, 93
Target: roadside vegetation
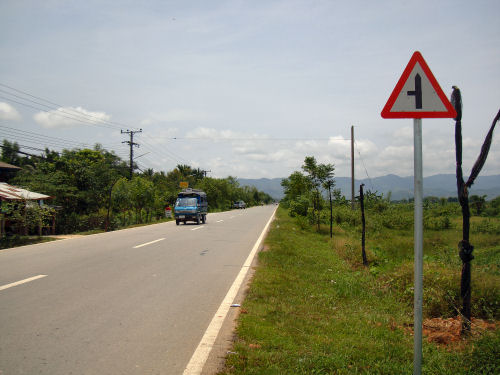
314, 308
91, 191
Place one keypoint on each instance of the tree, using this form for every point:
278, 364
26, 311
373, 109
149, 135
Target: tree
477, 203
10, 153
295, 186
120, 197
464, 246
318, 175
326, 174
142, 195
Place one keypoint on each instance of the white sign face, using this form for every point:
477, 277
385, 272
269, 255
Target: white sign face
418, 95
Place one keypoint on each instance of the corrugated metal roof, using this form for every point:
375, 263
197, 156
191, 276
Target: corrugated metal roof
10, 192
4, 165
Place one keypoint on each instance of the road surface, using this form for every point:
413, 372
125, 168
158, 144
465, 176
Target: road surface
135, 301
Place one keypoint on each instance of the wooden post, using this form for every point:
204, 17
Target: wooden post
361, 201
331, 209
464, 247
352, 167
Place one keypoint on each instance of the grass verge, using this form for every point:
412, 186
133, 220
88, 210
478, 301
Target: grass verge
16, 241
310, 311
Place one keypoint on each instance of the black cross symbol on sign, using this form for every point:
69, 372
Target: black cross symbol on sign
417, 92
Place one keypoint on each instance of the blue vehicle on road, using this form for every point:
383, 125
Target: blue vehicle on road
191, 205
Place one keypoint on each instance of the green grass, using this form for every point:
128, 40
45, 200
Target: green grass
313, 309
15, 241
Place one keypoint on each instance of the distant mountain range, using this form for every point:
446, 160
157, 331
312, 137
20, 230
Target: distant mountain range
441, 185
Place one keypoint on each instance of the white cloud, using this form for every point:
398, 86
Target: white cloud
7, 112
403, 135
69, 117
257, 155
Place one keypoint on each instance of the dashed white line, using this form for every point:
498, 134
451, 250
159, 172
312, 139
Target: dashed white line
197, 228
220, 221
7, 286
148, 243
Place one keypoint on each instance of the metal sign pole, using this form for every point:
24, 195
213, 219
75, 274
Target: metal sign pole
417, 95
418, 245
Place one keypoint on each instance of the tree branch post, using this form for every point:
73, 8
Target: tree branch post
362, 204
465, 249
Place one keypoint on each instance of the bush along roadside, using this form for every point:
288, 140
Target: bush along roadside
313, 308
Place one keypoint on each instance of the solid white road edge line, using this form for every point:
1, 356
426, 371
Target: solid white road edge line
7, 286
148, 243
200, 356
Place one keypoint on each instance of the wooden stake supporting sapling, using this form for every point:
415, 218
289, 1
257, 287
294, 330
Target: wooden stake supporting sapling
464, 246
362, 204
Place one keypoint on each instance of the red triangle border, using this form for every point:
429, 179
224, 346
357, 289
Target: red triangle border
418, 58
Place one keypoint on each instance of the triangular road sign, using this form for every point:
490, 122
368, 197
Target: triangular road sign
418, 94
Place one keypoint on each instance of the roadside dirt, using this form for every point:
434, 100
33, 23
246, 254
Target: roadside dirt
447, 331
65, 236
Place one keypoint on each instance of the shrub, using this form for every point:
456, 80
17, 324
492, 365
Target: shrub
437, 223
299, 206
441, 295
303, 222
485, 226
396, 219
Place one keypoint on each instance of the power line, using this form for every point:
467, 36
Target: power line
165, 152
364, 166
87, 116
73, 114
31, 135
77, 116
257, 139
60, 113
34, 137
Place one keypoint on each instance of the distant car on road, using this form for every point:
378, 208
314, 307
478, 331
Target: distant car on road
239, 204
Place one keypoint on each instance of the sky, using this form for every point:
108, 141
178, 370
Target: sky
246, 88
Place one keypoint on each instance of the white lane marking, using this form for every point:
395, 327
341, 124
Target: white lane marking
232, 217
220, 221
200, 356
7, 286
148, 243
197, 228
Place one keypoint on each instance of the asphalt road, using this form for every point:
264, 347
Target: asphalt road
135, 301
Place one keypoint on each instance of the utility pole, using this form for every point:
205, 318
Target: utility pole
205, 173
131, 144
352, 167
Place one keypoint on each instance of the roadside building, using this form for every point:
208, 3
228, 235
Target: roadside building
23, 200
7, 171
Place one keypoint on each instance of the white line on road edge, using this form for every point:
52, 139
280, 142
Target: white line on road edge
7, 286
148, 243
200, 356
